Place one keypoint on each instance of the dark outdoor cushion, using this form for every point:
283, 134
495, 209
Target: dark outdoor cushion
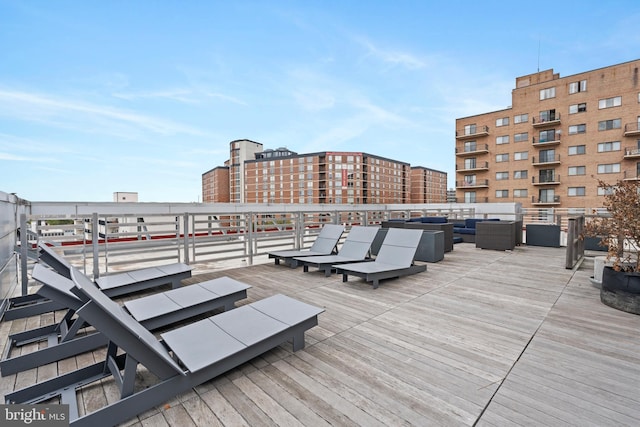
433, 219
417, 219
471, 222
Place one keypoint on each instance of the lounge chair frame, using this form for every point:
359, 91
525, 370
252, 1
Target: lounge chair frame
236, 337
325, 244
355, 248
395, 258
113, 285
153, 312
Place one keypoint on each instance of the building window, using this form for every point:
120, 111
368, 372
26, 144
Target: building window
547, 156
502, 158
547, 135
575, 150
609, 124
518, 193
500, 176
547, 116
577, 170
470, 146
521, 155
575, 191
469, 196
469, 180
470, 129
578, 108
470, 163
504, 139
616, 101
575, 129
605, 191
521, 137
576, 87
502, 194
547, 93
603, 147
523, 118
502, 122
610, 168
523, 174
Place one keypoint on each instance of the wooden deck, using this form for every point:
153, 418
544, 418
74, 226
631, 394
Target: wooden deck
482, 338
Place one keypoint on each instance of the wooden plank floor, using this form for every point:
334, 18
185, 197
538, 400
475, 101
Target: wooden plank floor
482, 338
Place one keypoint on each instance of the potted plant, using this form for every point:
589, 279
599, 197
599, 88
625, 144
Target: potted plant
619, 230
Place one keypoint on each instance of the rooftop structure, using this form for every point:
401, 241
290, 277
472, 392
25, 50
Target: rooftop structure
284, 176
558, 137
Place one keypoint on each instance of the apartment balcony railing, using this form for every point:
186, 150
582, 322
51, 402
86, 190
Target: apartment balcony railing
478, 166
542, 142
477, 200
631, 175
480, 183
546, 180
551, 200
632, 152
478, 131
545, 160
632, 129
472, 150
543, 121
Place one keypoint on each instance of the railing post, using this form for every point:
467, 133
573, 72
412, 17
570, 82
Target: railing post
95, 242
24, 253
249, 245
297, 244
185, 228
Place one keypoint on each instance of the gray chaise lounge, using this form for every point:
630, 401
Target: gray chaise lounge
354, 249
395, 258
325, 244
154, 311
184, 358
112, 285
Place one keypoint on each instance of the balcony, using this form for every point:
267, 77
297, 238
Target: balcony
481, 183
477, 200
545, 201
632, 129
545, 160
546, 180
631, 175
540, 122
472, 151
479, 131
479, 166
542, 142
632, 152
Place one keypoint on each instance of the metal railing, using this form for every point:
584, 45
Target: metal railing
103, 238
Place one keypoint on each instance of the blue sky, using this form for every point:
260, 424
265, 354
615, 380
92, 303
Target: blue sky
145, 96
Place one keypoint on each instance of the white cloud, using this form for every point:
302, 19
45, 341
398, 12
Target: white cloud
81, 115
393, 57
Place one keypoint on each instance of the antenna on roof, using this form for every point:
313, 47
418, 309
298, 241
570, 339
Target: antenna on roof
538, 55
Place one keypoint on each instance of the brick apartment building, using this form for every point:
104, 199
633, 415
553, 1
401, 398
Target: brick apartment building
254, 175
558, 137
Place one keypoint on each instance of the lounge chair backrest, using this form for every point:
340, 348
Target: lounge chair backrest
358, 242
55, 261
399, 247
115, 323
327, 238
53, 282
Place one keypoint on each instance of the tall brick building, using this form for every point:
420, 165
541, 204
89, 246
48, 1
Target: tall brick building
558, 137
253, 175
